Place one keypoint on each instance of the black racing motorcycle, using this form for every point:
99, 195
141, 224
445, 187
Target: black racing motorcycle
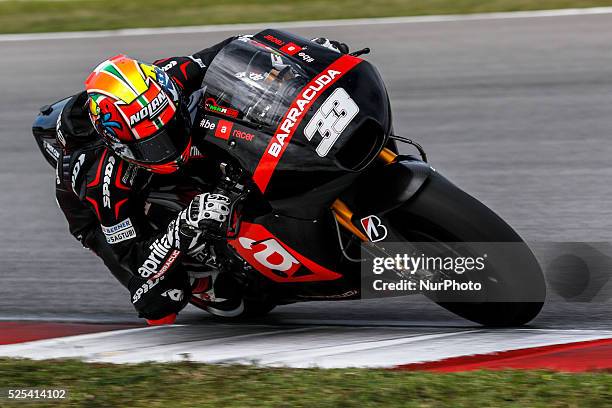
306, 132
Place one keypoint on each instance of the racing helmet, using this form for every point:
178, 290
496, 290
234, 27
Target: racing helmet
140, 113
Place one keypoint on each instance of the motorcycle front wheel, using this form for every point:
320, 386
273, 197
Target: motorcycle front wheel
443, 213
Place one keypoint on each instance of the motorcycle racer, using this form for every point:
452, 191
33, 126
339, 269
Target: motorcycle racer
129, 130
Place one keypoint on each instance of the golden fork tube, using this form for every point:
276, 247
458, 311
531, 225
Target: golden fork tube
387, 156
344, 216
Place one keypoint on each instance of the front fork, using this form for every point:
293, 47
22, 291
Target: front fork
343, 213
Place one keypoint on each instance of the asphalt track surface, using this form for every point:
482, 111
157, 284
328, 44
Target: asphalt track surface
517, 112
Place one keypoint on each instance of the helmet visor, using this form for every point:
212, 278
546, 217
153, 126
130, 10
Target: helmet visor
164, 146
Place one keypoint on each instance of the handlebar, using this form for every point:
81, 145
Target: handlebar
362, 51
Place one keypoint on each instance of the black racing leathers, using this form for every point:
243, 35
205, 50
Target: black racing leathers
103, 199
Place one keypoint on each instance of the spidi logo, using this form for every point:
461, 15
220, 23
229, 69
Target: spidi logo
169, 65
76, 169
145, 287
108, 172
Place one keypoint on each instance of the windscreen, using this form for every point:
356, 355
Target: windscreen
252, 82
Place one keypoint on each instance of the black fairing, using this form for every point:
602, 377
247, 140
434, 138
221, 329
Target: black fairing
300, 171
44, 130
388, 187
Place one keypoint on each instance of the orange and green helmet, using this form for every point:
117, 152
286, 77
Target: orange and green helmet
140, 113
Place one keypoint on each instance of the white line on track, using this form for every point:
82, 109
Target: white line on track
269, 345
244, 28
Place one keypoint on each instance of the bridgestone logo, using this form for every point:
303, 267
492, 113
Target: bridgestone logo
157, 105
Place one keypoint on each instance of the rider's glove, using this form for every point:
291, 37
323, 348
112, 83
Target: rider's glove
332, 45
204, 219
